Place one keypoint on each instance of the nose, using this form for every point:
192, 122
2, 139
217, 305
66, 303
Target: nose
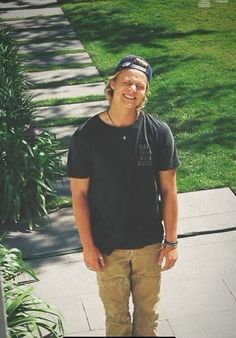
133, 87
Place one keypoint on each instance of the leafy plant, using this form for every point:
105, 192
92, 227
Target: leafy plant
30, 161
27, 315
13, 265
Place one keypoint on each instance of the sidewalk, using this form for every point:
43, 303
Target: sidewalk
198, 297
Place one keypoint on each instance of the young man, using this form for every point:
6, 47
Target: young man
121, 162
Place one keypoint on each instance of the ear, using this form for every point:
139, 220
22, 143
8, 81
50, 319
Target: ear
112, 84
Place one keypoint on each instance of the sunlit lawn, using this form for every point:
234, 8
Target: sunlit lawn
192, 52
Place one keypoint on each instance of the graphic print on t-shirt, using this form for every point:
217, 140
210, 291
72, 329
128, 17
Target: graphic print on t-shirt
144, 155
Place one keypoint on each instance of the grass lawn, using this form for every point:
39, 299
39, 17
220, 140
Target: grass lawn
192, 52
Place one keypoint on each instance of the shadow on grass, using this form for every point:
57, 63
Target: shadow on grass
182, 95
166, 63
203, 126
107, 27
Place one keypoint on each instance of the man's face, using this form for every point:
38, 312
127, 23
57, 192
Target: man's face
130, 88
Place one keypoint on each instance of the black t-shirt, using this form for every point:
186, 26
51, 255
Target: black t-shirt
123, 165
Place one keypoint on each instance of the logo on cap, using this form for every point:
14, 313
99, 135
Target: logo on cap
126, 64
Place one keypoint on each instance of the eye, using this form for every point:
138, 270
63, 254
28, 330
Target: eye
140, 87
127, 83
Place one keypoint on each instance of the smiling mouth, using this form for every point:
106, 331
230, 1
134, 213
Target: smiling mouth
129, 97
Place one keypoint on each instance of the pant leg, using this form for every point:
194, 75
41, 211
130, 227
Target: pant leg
146, 281
114, 290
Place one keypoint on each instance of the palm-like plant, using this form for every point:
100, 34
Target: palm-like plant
30, 161
12, 264
27, 315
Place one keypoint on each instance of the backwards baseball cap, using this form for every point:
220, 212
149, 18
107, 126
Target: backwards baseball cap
135, 62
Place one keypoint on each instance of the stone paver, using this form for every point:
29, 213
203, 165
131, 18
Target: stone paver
45, 33
68, 91
213, 324
64, 133
230, 281
222, 237
56, 236
61, 75
51, 46
63, 186
28, 13
94, 310
50, 22
71, 277
71, 110
47, 241
74, 317
192, 264
208, 202
48, 60
209, 210
26, 3
208, 222
90, 333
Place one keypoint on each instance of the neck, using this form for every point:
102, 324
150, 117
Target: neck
122, 117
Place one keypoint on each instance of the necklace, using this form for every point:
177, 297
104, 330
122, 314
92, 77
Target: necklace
109, 115
114, 125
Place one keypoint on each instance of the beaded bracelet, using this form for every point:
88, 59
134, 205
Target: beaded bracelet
169, 244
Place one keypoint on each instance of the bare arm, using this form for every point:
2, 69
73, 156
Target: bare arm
170, 216
92, 255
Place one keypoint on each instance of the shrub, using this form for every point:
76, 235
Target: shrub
30, 161
27, 315
12, 264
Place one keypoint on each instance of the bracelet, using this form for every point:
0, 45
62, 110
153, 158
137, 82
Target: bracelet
169, 244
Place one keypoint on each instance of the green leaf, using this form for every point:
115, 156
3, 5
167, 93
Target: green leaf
42, 184
10, 308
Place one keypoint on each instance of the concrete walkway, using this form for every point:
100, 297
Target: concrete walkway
198, 297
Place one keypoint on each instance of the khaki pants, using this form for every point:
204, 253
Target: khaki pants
134, 272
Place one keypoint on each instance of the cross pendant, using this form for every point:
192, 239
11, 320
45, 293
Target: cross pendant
124, 138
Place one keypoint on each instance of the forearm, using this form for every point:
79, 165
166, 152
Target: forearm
170, 214
82, 218
93, 257
169, 252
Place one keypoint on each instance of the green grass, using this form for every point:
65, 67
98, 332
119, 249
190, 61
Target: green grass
64, 121
79, 99
192, 53
59, 202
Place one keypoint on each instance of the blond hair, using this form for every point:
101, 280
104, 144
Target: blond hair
108, 91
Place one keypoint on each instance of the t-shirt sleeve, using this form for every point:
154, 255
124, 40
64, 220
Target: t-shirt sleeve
167, 156
79, 162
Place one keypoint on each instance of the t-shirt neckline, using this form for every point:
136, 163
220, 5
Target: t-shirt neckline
121, 127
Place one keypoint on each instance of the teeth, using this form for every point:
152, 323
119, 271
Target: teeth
130, 97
